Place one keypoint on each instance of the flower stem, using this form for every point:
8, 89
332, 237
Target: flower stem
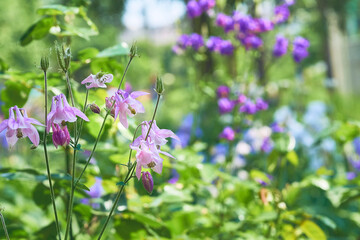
4, 226
73, 182
129, 173
47, 161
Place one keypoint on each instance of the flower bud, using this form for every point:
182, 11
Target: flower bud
44, 63
133, 51
159, 88
147, 181
94, 108
60, 135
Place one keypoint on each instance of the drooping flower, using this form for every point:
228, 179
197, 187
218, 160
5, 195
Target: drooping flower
281, 46
228, 133
61, 136
19, 125
98, 80
147, 181
225, 105
193, 9
126, 104
222, 91
62, 111
109, 101
300, 46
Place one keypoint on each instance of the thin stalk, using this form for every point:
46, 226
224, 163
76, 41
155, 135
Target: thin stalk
74, 183
47, 161
129, 173
69, 88
4, 226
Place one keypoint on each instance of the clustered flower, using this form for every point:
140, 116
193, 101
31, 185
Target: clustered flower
196, 8
246, 29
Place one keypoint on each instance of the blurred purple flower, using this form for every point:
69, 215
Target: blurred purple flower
226, 48
128, 87
228, 133
213, 43
267, 145
276, 128
251, 41
350, 175
281, 46
263, 25
249, 107
184, 132
222, 91
225, 21
300, 46
356, 143
261, 104
356, 165
241, 99
174, 178
243, 23
197, 41
183, 41
225, 105
95, 192
193, 9
282, 13
205, 5
289, 2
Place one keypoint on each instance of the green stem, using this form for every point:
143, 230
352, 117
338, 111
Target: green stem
129, 173
47, 161
4, 226
74, 183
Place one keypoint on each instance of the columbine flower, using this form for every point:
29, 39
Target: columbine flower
228, 133
19, 126
300, 49
98, 80
125, 104
62, 111
147, 181
225, 105
156, 135
109, 104
61, 136
281, 46
193, 9
222, 91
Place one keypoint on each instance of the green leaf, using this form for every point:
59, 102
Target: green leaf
293, 158
14, 93
82, 187
37, 31
87, 53
117, 50
41, 196
57, 9
312, 230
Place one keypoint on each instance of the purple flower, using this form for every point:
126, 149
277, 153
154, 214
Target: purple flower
61, 136
213, 43
126, 104
222, 91
61, 111
356, 165
249, 107
128, 87
350, 175
251, 41
175, 177
267, 145
289, 2
276, 128
222, 20
228, 133
98, 80
109, 104
243, 23
184, 132
19, 125
205, 5
147, 181
193, 9
282, 13
261, 104
300, 46
156, 135
263, 25
281, 46
241, 99
225, 105
226, 48
356, 143
95, 192
197, 41
183, 41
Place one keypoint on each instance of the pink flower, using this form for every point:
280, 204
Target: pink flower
126, 104
60, 135
62, 111
148, 150
147, 181
98, 80
20, 127
109, 105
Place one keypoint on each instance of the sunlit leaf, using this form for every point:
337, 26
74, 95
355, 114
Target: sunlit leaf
312, 230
